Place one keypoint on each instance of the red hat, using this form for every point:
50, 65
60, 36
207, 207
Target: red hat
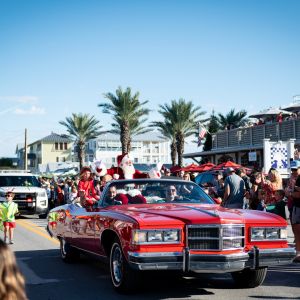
85, 169
120, 158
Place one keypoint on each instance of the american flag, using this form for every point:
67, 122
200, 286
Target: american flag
202, 134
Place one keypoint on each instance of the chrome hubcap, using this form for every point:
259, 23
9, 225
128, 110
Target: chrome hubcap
62, 247
117, 262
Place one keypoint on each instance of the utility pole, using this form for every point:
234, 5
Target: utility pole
25, 151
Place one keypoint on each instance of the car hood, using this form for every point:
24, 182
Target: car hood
22, 189
158, 214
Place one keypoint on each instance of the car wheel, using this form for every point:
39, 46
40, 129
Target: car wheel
123, 277
43, 216
249, 278
68, 253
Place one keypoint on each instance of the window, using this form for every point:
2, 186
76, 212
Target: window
57, 159
136, 160
61, 146
56, 146
66, 146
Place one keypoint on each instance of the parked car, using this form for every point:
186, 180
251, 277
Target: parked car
29, 195
205, 178
158, 224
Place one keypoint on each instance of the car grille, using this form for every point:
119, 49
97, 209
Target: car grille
215, 237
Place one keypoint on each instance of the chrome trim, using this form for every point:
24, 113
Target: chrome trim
220, 237
160, 242
154, 254
210, 263
265, 239
269, 257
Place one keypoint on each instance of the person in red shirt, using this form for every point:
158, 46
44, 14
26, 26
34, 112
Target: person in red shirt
86, 188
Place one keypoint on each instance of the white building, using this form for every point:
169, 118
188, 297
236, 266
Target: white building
147, 148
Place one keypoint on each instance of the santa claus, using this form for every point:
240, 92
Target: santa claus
125, 169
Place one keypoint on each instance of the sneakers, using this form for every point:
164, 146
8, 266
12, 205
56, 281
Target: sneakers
6, 241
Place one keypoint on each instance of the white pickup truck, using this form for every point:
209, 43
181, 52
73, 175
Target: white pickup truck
29, 195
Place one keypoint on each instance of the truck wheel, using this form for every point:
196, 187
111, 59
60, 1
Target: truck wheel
43, 216
123, 277
68, 253
249, 278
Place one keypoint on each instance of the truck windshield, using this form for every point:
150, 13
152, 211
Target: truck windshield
19, 181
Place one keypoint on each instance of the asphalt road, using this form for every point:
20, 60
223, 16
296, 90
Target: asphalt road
48, 277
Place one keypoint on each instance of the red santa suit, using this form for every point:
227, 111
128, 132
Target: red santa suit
125, 169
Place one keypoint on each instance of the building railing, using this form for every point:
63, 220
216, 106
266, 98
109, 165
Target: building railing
254, 136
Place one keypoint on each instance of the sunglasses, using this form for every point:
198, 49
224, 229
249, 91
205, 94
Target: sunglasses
7, 196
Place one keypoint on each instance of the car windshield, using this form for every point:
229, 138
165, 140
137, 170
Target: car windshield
152, 192
19, 181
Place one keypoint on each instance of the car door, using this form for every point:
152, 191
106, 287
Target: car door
83, 228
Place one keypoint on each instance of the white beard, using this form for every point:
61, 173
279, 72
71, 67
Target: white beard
128, 172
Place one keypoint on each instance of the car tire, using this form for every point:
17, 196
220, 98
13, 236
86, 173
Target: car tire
123, 277
249, 278
68, 253
43, 216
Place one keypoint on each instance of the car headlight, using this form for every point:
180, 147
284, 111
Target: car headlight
165, 236
272, 233
268, 233
155, 236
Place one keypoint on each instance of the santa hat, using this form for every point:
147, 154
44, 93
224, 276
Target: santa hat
85, 169
121, 157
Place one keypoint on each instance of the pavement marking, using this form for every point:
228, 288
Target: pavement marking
39, 232
43, 229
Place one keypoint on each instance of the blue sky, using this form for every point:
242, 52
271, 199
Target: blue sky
60, 57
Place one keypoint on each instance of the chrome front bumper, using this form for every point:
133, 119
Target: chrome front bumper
210, 263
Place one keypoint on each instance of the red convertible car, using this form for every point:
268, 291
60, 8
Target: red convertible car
156, 224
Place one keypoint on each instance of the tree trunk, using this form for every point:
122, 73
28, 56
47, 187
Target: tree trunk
173, 152
81, 154
180, 148
124, 137
129, 144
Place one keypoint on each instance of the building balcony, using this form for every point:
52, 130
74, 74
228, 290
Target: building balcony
252, 137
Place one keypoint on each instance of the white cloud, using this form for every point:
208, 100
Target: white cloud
20, 99
34, 110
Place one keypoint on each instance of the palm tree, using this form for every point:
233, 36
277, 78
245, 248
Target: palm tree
81, 128
183, 117
127, 112
167, 132
232, 119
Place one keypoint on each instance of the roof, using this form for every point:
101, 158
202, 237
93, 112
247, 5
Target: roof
54, 137
222, 150
149, 136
